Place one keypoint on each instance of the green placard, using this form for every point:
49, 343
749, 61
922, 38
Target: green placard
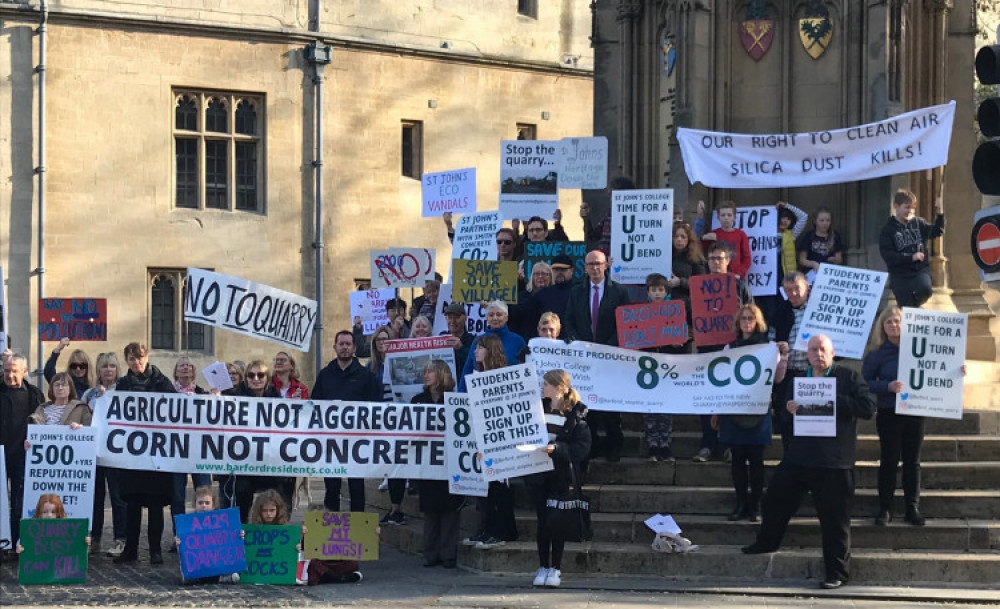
341, 536
483, 281
270, 553
55, 551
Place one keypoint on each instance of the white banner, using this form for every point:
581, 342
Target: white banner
249, 308
61, 460
817, 400
583, 162
465, 467
449, 191
401, 267
761, 226
508, 421
842, 304
476, 236
529, 184
209, 434
475, 315
642, 228
735, 381
909, 142
369, 305
406, 358
6, 543
931, 356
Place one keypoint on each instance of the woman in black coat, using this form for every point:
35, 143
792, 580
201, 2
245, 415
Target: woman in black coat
568, 447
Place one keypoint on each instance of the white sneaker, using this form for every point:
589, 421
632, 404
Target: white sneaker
384, 485
553, 579
541, 576
117, 549
232, 578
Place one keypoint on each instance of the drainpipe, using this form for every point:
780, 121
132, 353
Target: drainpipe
41, 169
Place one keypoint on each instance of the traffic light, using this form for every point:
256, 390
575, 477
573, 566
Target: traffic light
986, 162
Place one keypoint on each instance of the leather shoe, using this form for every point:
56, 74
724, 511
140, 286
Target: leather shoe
123, 558
156, 558
914, 517
883, 518
740, 511
831, 584
756, 548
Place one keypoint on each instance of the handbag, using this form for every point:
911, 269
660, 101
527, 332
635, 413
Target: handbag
567, 515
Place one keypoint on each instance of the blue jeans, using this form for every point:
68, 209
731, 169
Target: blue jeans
180, 492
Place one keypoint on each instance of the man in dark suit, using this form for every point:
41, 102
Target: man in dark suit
602, 296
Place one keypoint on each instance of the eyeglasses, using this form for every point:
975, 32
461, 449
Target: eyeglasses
78, 366
595, 264
505, 242
259, 376
717, 258
537, 229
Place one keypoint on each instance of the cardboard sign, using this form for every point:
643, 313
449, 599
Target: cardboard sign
642, 227
6, 543
465, 467
406, 359
401, 267
341, 536
476, 236
583, 162
475, 314
761, 227
210, 543
61, 461
529, 178
931, 356
449, 191
507, 415
369, 305
545, 251
249, 308
817, 400
654, 324
55, 551
270, 554
78, 319
714, 302
842, 305
484, 281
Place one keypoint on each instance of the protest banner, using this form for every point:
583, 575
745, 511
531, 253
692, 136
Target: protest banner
6, 543
545, 251
341, 536
761, 226
61, 460
270, 436
735, 381
78, 319
842, 305
449, 191
401, 267
55, 551
475, 314
909, 142
406, 358
3, 312
476, 236
271, 553
484, 281
653, 324
931, 356
642, 226
583, 162
249, 308
465, 468
715, 300
369, 306
529, 184
817, 413
210, 543
508, 421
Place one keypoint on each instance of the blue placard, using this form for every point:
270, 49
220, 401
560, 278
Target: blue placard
210, 543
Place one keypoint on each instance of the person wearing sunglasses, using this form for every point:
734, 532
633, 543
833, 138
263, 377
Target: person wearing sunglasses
79, 368
508, 245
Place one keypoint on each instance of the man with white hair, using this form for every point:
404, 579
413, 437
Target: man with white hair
18, 400
823, 466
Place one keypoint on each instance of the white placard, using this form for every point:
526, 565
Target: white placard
401, 267
529, 183
642, 228
406, 358
6, 543
369, 305
476, 236
931, 356
465, 468
449, 191
842, 305
910, 142
61, 460
507, 413
475, 315
217, 376
249, 308
761, 227
817, 400
663, 523
583, 162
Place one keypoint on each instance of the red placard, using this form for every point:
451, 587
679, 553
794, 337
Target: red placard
77, 319
714, 302
654, 324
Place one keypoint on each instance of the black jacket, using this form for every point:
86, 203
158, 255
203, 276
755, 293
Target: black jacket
572, 447
898, 242
434, 495
354, 383
684, 269
14, 424
577, 326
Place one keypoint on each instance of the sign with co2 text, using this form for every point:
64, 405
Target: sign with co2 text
465, 470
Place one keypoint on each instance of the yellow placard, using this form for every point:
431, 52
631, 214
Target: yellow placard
341, 536
483, 280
